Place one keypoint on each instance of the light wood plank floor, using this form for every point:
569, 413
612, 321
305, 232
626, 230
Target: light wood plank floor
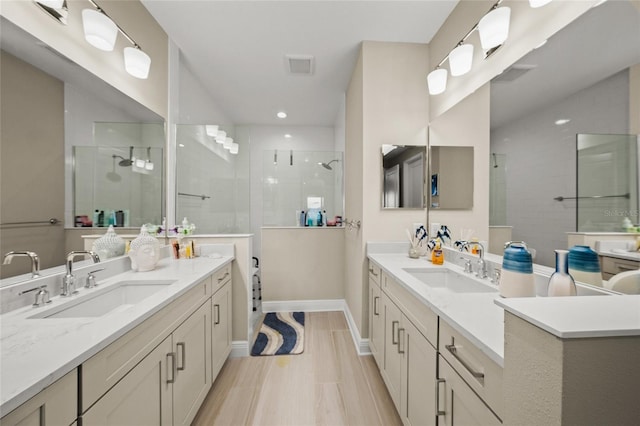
328, 384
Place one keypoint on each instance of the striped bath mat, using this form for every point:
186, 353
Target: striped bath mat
281, 333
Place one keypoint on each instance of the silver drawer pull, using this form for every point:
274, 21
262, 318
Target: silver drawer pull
226, 274
216, 314
454, 351
171, 367
400, 330
182, 347
375, 306
393, 332
373, 272
439, 412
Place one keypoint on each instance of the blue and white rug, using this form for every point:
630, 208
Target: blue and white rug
281, 333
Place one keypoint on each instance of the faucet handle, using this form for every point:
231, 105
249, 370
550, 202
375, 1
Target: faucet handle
42, 295
496, 276
467, 265
91, 279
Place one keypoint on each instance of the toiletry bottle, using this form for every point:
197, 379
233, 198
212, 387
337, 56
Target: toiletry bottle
307, 219
319, 220
324, 218
301, 221
96, 214
437, 257
474, 247
101, 218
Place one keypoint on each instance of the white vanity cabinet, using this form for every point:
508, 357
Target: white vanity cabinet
376, 315
55, 405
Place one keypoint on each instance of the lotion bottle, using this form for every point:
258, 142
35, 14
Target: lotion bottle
437, 257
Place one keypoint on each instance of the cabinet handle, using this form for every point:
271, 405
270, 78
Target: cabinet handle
439, 412
454, 351
375, 306
393, 332
173, 367
226, 274
183, 349
373, 272
216, 314
403, 335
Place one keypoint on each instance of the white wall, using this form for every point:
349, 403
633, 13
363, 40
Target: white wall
269, 138
541, 157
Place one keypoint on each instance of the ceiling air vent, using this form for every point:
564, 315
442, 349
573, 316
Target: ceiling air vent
299, 64
514, 72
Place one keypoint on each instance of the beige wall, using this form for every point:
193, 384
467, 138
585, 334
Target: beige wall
302, 264
387, 103
467, 124
31, 134
109, 66
634, 99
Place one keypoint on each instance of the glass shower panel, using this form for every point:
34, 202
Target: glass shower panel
213, 184
498, 190
607, 172
293, 179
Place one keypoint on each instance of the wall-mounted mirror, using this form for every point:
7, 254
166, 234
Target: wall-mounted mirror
403, 176
539, 106
50, 106
451, 174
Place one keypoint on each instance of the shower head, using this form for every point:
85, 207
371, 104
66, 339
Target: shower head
126, 162
328, 165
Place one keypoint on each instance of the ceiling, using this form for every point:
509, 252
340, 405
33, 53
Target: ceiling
600, 43
237, 49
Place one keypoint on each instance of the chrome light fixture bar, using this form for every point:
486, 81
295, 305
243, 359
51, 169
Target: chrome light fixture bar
101, 32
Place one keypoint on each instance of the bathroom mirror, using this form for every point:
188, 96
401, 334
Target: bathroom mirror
403, 176
61, 105
583, 80
451, 177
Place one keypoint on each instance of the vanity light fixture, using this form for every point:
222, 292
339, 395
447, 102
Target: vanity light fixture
56, 8
101, 32
538, 3
228, 143
461, 59
234, 148
211, 130
562, 121
221, 136
494, 27
281, 114
437, 81
181, 145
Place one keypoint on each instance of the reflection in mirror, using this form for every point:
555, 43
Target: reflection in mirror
403, 176
539, 106
451, 171
49, 105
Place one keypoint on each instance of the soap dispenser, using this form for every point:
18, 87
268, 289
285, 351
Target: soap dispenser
437, 257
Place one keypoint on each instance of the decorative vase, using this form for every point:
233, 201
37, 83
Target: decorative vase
144, 251
516, 277
584, 265
561, 283
414, 253
109, 245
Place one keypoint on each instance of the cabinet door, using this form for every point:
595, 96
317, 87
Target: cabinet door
192, 347
458, 404
418, 377
376, 324
392, 372
55, 405
221, 327
142, 397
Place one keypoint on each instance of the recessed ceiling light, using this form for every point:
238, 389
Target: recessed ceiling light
562, 121
181, 145
281, 114
287, 135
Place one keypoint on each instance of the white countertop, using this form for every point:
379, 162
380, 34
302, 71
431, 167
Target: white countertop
474, 315
579, 317
621, 254
34, 353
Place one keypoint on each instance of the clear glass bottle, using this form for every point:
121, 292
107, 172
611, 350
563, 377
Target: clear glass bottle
561, 283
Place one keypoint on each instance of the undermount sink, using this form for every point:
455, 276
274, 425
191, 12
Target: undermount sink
446, 279
120, 295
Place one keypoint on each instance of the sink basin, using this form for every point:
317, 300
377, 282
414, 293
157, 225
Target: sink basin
120, 295
446, 279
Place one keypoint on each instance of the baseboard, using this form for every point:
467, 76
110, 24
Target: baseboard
362, 345
239, 349
304, 305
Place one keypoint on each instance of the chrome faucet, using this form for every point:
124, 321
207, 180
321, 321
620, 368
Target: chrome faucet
482, 266
35, 260
68, 281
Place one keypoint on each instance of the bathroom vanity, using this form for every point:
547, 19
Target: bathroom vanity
67, 362
450, 348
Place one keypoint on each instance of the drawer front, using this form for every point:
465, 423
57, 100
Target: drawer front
221, 277
106, 368
374, 273
480, 372
613, 265
416, 311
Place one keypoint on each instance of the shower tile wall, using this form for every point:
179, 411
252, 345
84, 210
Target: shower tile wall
541, 159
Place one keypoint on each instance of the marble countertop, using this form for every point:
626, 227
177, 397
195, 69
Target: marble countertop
621, 254
474, 315
34, 353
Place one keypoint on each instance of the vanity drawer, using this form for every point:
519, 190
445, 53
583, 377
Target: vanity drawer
612, 265
481, 373
221, 277
424, 319
107, 367
374, 273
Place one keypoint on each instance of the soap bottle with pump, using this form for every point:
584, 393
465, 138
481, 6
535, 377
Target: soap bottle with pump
437, 256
